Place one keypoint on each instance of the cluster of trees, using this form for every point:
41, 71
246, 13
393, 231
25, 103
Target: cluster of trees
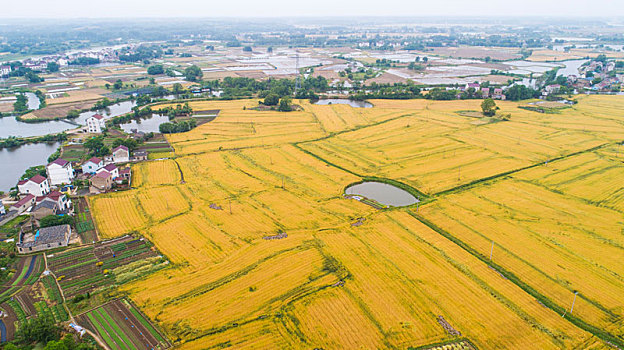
396, 91
441, 94
55, 220
488, 107
84, 61
96, 146
520, 92
193, 73
42, 332
129, 142
141, 53
14, 141
21, 105
156, 69
179, 110
175, 127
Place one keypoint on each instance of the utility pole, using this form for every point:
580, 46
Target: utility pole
491, 250
573, 301
230, 206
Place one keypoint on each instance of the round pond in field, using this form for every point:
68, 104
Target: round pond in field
382, 193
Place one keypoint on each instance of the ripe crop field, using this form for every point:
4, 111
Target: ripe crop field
265, 252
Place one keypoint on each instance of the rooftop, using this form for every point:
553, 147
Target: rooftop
26, 199
59, 161
38, 179
46, 235
120, 147
95, 160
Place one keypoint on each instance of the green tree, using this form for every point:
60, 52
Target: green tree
131, 143
271, 100
156, 69
488, 106
96, 146
73, 114
39, 329
53, 67
285, 105
193, 73
118, 84
54, 220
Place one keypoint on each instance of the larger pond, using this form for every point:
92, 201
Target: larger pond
13, 162
145, 125
571, 67
382, 193
342, 101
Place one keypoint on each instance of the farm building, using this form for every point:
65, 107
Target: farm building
23, 204
125, 173
45, 238
45, 208
121, 154
36, 185
92, 165
101, 182
95, 124
139, 156
60, 172
57, 197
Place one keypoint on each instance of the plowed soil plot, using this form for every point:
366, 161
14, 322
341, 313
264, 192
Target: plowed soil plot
121, 326
86, 269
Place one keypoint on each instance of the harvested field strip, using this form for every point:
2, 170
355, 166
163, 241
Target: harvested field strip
120, 340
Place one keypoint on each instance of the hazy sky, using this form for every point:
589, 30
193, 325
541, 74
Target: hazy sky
276, 8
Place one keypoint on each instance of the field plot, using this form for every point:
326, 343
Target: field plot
123, 327
86, 269
556, 243
264, 254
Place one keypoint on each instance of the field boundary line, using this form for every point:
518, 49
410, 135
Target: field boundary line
513, 171
578, 322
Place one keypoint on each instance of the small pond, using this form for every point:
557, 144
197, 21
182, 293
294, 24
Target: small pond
382, 193
342, 101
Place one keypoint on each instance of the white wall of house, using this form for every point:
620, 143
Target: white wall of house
60, 175
31, 187
95, 126
89, 167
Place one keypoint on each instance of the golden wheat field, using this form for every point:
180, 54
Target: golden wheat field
266, 252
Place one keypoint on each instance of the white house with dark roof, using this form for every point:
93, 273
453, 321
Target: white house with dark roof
95, 124
112, 169
36, 185
60, 172
92, 165
121, 154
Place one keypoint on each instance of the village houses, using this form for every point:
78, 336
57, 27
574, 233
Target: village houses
95, 124
60, 172
92, 165
112, 169
36, 185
